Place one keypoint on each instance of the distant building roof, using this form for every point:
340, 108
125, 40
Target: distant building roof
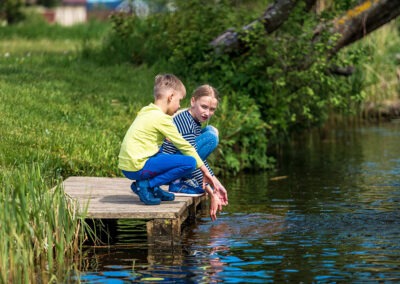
103, 4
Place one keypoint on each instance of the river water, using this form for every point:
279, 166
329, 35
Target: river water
329, 214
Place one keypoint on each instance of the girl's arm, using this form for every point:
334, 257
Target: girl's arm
215, 202
221, 191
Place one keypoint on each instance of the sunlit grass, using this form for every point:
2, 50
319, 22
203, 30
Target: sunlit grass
71, 113
28, 47
60, 115
380, 72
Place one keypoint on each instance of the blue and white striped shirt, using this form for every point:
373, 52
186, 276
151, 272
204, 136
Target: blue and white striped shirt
190, 129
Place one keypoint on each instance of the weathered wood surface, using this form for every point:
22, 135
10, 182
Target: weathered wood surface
112, 198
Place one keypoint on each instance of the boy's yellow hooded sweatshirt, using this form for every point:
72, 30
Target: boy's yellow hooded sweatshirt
145, 137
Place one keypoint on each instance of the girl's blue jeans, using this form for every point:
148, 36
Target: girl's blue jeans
207, 142
164, 168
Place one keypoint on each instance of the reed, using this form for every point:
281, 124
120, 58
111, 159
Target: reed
38, 227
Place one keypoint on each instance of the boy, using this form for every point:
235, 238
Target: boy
140, 158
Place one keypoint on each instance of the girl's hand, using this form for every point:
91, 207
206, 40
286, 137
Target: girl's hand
207, 177
221, 191
215, 206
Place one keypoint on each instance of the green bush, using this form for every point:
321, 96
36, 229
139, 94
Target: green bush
49, 3
178, 42
244, 140
10, 11
287, 76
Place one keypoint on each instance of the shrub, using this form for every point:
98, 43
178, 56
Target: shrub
285, 74
10, 11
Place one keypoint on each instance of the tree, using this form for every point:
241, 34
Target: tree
275, 72
353, 25
364, 19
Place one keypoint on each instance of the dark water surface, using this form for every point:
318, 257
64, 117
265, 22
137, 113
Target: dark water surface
330, 214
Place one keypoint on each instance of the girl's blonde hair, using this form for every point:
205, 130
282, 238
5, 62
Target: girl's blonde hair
164, 82
205, 91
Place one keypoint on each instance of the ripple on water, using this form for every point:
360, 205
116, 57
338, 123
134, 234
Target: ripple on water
335, 218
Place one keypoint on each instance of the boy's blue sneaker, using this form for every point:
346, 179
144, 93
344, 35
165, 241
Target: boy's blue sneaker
157, 193
142, 189
188, 187
134, 187
163, 195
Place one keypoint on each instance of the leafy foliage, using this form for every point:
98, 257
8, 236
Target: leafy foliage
49, 3
285, 75
10, 10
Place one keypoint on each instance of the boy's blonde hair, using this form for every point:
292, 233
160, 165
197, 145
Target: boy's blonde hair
205, 91
165, 82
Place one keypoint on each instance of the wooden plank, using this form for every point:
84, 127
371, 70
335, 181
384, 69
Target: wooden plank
112, 198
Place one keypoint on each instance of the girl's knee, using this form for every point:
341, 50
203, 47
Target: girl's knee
213, 134
211, 129
215, 130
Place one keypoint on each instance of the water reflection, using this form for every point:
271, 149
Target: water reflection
217, 243
332, 217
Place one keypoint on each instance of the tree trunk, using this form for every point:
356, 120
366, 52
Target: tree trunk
274, 16
363, 19
355, 24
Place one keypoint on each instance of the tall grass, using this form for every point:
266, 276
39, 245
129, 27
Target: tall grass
377, 76
380, 71
38, 227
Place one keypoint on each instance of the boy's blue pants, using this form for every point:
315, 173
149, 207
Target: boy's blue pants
165, 168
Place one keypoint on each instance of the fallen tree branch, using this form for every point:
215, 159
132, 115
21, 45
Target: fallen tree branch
352, 26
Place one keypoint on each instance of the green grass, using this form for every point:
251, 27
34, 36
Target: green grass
60, 115
59, 108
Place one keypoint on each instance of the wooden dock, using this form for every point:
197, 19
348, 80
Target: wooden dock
112, 198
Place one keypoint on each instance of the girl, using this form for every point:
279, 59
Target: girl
203, 104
